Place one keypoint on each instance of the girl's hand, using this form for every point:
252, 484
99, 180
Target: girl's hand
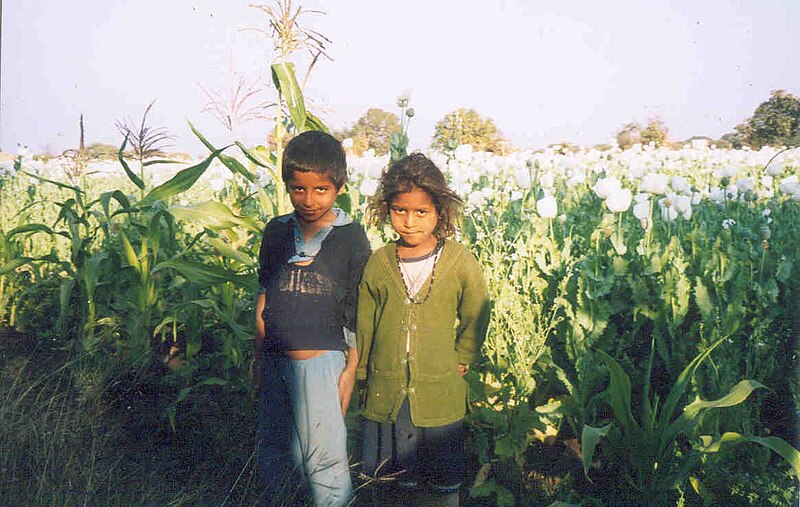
463, 369
347, 381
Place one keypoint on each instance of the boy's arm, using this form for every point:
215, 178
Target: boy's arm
259, 338
347, 379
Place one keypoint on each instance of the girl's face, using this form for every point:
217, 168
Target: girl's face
414, 217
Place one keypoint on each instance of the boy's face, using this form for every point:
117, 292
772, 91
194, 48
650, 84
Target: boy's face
312, 194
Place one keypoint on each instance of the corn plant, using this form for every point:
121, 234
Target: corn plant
651, 453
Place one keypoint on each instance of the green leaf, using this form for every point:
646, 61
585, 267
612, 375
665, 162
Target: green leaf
53, 182
776, 444
181, 182
208, 276
105, 200
120, 155
682, 382
703, 299
229, 252
590, 437
22, 229
231, 163
130, 254
161, 161
214, 215
314, 123
283, 76
13, 264
736, 395
619, 393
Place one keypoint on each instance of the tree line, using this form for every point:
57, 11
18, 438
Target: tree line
775, 122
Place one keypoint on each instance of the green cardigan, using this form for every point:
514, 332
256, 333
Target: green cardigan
447, 329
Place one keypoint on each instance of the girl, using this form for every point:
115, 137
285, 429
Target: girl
423, 310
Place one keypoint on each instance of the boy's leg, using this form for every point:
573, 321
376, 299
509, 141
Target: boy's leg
321, 436
275, 432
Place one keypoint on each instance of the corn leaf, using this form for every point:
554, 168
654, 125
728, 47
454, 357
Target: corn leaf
737, 394
161, 161
53, 182
22, 229
120, 155
214, 215
283, 76
130, 254
619, 393
776, 444
314, 123
208, 276
682, 382
229, 252
181, 182
13, 264
590, 437
231, 163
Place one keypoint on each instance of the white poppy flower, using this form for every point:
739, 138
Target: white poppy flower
605, 186
619, 200
368, 186
655, 183
476, 199
641, 210
680, 185
774, 169
547, 207
463, 153
745, 184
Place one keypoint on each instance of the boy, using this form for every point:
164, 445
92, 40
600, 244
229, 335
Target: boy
310, 265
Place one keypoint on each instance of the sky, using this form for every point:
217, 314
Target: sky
545, 72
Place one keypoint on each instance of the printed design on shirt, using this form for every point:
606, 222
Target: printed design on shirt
301, 281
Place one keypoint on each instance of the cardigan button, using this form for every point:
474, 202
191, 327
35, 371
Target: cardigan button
413, 327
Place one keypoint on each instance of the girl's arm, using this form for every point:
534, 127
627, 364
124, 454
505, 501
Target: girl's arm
365, 323
473, 312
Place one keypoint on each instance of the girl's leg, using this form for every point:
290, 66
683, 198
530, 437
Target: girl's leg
321, 436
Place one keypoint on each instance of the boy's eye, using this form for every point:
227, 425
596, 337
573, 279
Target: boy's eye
322, 190
398, 210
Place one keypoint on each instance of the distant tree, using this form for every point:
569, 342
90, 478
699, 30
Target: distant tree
628, 135
466, 126
775, 121
373, 130
655, 131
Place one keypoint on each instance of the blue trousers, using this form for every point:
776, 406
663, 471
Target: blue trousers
301, 428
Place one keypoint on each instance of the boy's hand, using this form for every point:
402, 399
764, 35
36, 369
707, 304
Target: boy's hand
255, 375
463, 369
347, 381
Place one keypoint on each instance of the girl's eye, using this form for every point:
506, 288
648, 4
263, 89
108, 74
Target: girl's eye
322, 190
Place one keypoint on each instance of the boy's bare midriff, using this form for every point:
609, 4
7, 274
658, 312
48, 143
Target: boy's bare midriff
302, 355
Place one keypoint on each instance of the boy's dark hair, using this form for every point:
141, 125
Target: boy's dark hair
417, 170
315, 151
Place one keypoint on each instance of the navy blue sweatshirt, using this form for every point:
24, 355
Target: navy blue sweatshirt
307, 306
